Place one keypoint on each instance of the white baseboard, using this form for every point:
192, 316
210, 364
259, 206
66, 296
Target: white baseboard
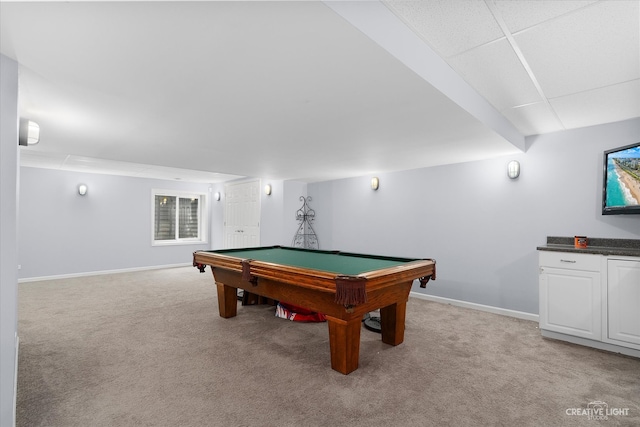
481, 307
98, 273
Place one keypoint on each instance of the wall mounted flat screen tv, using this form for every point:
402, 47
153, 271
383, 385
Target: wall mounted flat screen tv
621, 189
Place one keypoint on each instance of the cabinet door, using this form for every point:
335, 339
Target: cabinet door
570, 302
623, 308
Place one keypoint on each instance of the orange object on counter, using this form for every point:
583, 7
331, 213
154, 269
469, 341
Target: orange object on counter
580, 241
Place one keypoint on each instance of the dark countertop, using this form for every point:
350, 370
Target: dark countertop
596, 246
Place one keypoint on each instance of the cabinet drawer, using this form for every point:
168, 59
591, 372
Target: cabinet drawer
570, 260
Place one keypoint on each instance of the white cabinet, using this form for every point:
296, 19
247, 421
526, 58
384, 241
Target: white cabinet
623, 308
570, 294
591, 299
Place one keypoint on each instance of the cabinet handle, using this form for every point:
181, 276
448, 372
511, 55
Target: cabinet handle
570, 261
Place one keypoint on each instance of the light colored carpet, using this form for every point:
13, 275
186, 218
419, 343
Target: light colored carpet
149, 349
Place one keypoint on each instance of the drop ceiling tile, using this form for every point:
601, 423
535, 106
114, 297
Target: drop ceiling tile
522, 14
533, 119
604, 105
449, 27
497, 74
594, 47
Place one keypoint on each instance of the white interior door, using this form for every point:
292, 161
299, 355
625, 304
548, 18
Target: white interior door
242, 215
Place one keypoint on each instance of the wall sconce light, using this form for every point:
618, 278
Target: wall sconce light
267, 189
513, 169
217, 196
375, 183
82, 189
29, 132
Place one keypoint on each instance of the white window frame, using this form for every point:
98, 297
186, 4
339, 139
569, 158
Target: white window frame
203, 217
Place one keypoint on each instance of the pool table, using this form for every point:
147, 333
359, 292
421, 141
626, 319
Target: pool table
343, 286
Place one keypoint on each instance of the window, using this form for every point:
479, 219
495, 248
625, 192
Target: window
178, 217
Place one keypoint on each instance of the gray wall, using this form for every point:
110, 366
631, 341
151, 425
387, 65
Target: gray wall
63, 233
271, 213
481, 227
217, 217
8, 236
278, 222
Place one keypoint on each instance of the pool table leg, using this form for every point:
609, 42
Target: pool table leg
392, 319
227, 300
344, 340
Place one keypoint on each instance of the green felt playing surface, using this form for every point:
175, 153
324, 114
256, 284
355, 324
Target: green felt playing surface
339, 263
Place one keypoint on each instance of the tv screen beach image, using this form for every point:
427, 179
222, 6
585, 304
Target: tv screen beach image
623, 178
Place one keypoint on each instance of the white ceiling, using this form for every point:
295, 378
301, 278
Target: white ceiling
308, 90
